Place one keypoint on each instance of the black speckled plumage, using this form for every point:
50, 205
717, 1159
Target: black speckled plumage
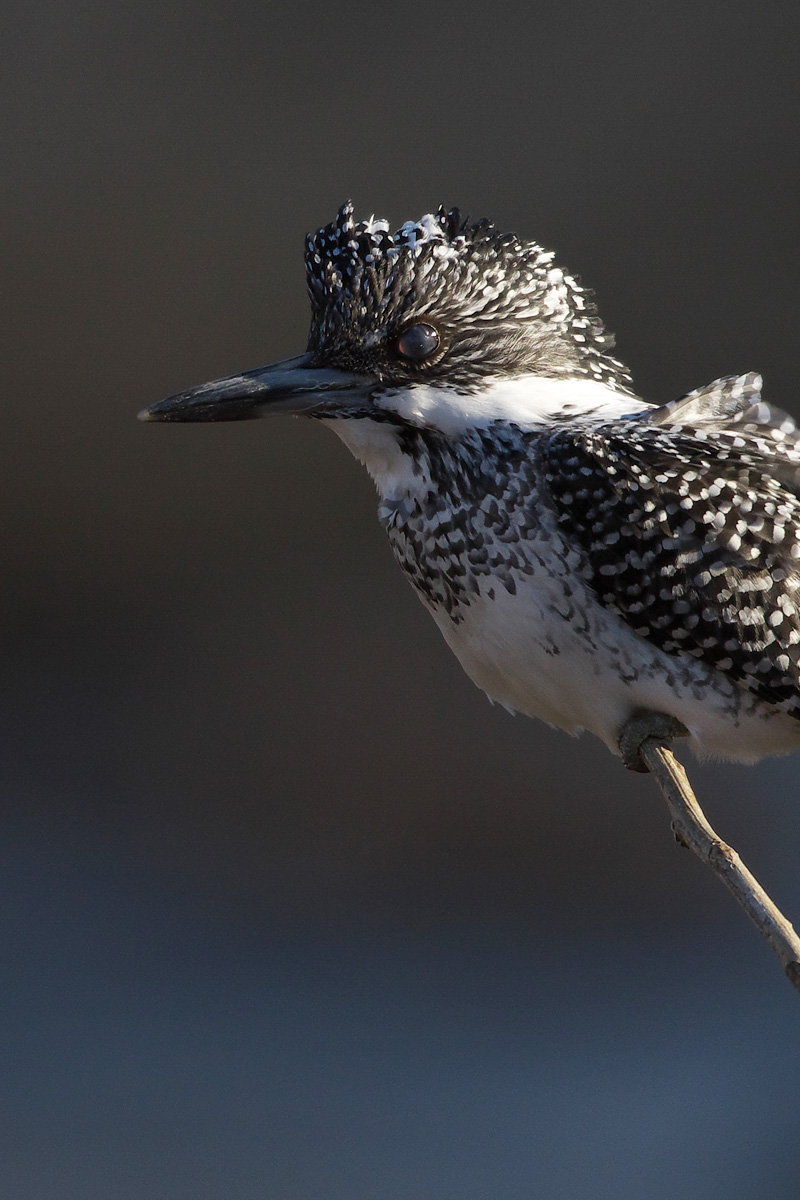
689, 517
469, 527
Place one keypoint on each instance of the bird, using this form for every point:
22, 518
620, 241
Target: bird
588, 556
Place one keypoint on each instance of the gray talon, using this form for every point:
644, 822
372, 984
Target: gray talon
647, 725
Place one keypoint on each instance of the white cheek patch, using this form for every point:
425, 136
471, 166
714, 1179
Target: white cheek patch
529, 401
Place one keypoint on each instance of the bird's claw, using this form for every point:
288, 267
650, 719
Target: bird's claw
645, 725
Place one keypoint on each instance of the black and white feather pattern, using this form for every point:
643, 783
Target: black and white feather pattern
585, 555
689, 519
500, 304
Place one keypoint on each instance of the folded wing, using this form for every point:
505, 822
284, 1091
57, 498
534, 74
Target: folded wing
688, 519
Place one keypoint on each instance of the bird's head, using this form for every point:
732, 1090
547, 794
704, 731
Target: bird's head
419, 326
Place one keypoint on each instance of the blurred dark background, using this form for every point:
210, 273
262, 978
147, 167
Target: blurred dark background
288, 909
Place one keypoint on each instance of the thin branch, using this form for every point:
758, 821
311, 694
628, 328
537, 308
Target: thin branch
646, 744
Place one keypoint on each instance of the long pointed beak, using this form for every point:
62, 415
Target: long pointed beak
293, 386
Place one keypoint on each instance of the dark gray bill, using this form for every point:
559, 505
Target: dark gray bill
293, 386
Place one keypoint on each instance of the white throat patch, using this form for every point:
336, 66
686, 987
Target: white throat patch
375, 445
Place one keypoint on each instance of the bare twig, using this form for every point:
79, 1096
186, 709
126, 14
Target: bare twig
646, 743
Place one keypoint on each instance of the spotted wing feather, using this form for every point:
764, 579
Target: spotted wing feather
689, 520
718, 405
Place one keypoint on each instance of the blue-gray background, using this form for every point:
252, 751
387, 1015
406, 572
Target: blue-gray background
288, 911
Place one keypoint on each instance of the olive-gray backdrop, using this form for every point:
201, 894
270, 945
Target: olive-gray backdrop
288, 909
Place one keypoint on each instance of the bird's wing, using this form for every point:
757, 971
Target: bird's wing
688, 517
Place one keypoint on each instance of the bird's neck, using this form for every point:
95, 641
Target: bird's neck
418, 428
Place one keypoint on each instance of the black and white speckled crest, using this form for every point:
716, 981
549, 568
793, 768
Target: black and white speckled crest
499, 304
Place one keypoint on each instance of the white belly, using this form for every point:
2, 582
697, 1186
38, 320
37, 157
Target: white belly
583, 668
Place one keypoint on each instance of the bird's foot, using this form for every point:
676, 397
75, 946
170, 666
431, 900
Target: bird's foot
645, 725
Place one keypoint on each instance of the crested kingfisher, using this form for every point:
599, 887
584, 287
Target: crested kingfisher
588, 556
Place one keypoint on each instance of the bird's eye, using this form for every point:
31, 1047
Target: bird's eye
418, 342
